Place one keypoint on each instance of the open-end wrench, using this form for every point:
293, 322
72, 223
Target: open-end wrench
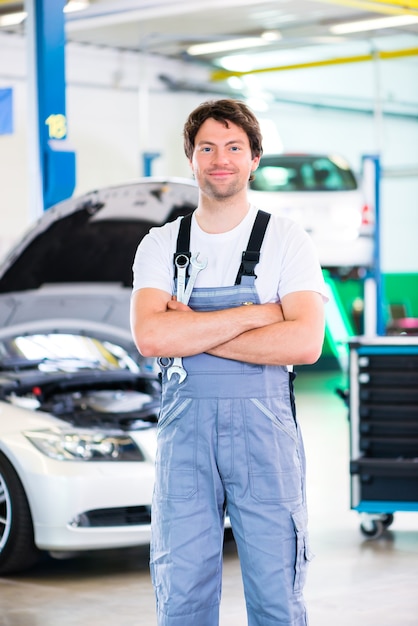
183, 295
181, 262
197, 265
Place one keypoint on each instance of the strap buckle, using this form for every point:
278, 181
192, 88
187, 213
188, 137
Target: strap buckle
250, 258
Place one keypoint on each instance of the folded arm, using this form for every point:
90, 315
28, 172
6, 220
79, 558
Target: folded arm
296, 339
162, 327
265, 334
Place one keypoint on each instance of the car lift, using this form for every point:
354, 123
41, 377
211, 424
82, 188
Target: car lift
52, 176
339, 329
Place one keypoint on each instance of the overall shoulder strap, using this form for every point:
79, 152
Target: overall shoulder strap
251, 256
183, 238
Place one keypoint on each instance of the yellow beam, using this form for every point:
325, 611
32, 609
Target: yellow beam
387, 7
396, 54
404, 4
379, 54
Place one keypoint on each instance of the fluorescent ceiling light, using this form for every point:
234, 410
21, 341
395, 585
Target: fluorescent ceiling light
76, 5
235, 82
11, 19
17, 17
226, 46
271, 35
374, 24
237, 62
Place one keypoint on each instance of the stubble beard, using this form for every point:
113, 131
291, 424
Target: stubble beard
221, 192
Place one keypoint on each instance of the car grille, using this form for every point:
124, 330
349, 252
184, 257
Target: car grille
121, 516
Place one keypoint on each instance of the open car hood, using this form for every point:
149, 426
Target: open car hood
75, 263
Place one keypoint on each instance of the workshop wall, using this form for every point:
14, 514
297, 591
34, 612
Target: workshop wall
118, 107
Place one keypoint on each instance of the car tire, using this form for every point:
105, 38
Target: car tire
17, 547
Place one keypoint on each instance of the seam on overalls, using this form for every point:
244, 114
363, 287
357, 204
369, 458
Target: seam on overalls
163, 422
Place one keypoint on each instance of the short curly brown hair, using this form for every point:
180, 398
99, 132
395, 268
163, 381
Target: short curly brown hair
227, 110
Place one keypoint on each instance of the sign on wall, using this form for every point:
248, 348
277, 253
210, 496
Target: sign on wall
6, 111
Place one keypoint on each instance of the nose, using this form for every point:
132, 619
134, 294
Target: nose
220, 156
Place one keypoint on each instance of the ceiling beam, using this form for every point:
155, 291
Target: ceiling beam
387, 7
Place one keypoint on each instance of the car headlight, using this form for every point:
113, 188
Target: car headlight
85, 445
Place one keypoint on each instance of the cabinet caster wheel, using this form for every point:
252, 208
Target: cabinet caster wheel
372, 529
387, 519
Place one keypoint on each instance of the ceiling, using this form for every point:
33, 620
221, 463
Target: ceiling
303, 29
169, 27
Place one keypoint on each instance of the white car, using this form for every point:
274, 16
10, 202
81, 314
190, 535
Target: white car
78, 405
322, 194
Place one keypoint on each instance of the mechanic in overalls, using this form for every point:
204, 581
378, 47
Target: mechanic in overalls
228, 438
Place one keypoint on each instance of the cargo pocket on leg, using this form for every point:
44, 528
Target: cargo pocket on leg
303, 552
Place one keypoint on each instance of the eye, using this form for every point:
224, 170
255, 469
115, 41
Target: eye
235, 148
206, 149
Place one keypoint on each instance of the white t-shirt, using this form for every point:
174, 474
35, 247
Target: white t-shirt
288, 259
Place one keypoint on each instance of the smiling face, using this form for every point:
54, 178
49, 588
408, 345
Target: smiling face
222, 163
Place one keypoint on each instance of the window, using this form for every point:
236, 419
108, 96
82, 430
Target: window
303, 173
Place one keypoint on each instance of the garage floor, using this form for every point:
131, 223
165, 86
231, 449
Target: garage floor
351, 580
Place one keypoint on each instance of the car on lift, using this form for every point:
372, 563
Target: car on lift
78, 404
322, 193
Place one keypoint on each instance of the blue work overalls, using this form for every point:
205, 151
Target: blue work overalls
228, 439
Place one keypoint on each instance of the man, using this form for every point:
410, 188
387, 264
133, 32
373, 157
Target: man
228, 438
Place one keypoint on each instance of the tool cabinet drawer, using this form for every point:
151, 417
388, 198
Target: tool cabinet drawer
388, 412
386, 480
390, 447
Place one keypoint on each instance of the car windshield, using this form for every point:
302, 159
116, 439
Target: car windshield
64, 352
303, 173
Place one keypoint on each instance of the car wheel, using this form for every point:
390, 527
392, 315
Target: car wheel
17, 548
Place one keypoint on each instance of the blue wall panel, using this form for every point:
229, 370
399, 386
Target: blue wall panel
6, 111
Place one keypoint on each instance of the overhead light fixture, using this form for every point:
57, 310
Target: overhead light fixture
17, 17
76, 5
236, 62
227, 45
12, 19
235, 83
375, 24
271, 35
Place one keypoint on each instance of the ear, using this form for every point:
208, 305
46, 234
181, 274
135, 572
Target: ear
256, 162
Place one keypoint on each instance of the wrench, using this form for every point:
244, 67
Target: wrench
181, 262
183, 295
196, 267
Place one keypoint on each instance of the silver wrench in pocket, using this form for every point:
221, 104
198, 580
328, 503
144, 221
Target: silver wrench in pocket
181, 263
183, 295
197, 266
